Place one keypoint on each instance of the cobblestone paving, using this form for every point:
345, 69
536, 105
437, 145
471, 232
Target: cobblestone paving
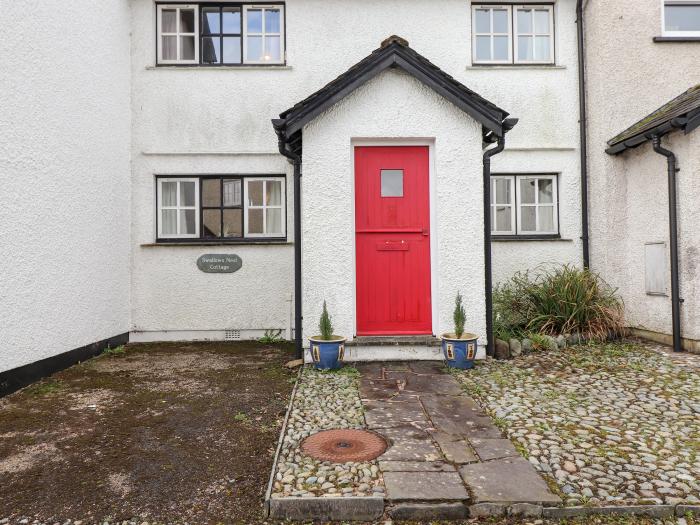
609, 424
324, 400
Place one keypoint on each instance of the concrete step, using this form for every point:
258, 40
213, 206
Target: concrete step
395, 340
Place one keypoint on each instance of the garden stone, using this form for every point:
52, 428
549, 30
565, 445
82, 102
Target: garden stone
527, 346
502, 350
561, 341
516, 348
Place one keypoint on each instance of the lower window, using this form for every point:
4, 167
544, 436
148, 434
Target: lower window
524, 205
228, 207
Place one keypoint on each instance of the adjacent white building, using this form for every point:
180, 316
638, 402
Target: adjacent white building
146, 136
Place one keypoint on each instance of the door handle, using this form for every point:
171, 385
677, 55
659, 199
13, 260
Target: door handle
425, 232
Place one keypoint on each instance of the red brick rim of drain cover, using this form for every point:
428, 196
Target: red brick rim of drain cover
344, 445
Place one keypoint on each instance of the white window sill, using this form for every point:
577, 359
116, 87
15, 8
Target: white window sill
514, 67
243, 242
197, 67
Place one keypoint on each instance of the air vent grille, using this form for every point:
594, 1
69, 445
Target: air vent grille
232, 335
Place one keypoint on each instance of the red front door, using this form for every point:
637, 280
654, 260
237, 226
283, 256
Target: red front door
392, 237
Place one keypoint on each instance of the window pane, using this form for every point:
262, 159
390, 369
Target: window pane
169, 220
500, 47
274, 192
211, 225
272, 21
546, 218
232, 49
274, 220
169, 21
210, 50
392, 183
525, 51
187, 47
186, 20
169, 48
682, 17
528, 218
527, 191
232, 192
542, 48
255, 221
482, 20
233, 223
211, 20
232, 20
545, 190
542, 21
187, 222
501, 191
169, 196
187, 193
254, 48
500, 21
524, 20
483, 48
254, 21
255, 193
503, 219
272, 48
211, 192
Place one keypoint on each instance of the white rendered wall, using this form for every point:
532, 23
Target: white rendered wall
393, 105
628, 77
64, 166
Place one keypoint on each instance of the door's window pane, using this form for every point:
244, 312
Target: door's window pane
272, 21
211, 50
169, 220
169, 48
211, 192
542, 21
500, 21
272, 48
232, 20
254, 48
255, 193
545, 191
187, 221
255, 221
232, 192
232, 50
274, 220
211, 20
546, 218
527, 191
528, 218
169, 196
483, 48
392, 183
187, 193
482, 20
254, 21
525, 51
524, 21
186, 20
211, 223
682, 17
233, 223
500, 48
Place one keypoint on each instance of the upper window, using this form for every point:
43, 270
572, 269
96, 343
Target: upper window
230, 208
524, 205
681, 18
220, 34
513, 34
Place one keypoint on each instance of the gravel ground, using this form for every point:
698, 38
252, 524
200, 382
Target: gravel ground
604, 424
324, 400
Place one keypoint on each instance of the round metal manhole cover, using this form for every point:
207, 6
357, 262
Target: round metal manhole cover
344, 445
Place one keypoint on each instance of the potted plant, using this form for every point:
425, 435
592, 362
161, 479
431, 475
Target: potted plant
459, 348
327, 349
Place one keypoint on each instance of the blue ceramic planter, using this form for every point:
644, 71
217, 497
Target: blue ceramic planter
327, 355
459, 353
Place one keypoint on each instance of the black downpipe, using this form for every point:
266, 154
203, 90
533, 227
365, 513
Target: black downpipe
673, 235
488, 281
583, 133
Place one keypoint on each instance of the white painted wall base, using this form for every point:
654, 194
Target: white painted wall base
197, 335
355, 354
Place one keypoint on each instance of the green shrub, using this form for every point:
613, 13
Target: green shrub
459, 316
558, 300
325, 326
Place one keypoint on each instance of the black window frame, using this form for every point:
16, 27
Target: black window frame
201, 239
200, 35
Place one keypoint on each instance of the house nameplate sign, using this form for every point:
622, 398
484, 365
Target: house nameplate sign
219, 263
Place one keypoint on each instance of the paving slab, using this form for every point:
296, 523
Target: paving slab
428, 367
510, 480
459, 415
379, 390
412, 486
327, 509
415, 466
409, 444
496, 448
425, 384
429, 511
455, 449
385, 414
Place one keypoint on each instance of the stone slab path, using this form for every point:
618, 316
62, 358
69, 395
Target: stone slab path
447, 459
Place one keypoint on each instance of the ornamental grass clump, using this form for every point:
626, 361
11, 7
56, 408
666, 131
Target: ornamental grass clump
459, 316
557, 300
325, 326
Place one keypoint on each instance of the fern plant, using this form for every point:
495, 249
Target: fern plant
459, 316
325, 326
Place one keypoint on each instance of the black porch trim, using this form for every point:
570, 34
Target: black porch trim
12, 380
393, 53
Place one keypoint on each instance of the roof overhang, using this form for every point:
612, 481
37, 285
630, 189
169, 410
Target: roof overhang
393, 53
